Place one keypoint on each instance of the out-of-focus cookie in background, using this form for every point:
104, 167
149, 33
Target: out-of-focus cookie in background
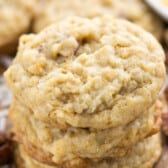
165, 2
17, 15
48, 12
15, 20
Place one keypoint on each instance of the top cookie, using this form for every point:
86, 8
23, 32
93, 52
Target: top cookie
133, 10
15, 20
96, 73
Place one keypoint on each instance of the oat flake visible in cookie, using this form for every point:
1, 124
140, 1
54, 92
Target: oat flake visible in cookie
97, 73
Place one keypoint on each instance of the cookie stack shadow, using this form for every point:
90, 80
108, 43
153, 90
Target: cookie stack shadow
85, 94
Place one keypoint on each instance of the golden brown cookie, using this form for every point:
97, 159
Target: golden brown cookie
99, 73
53, 145
143, 155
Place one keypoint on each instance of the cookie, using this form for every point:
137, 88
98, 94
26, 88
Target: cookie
99, 73
139, 13
15, 19
53, 145
144, 154
54, 11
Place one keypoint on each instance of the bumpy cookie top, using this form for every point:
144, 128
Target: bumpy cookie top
96, 73
52, 11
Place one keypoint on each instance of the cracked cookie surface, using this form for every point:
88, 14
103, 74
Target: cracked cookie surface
98, 73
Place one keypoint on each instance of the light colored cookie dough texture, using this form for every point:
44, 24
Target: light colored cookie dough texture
15, 18
143, 155
85, 91
98, 73
71, 142
135, 11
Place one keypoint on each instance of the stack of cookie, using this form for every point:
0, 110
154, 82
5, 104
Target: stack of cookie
85, 95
